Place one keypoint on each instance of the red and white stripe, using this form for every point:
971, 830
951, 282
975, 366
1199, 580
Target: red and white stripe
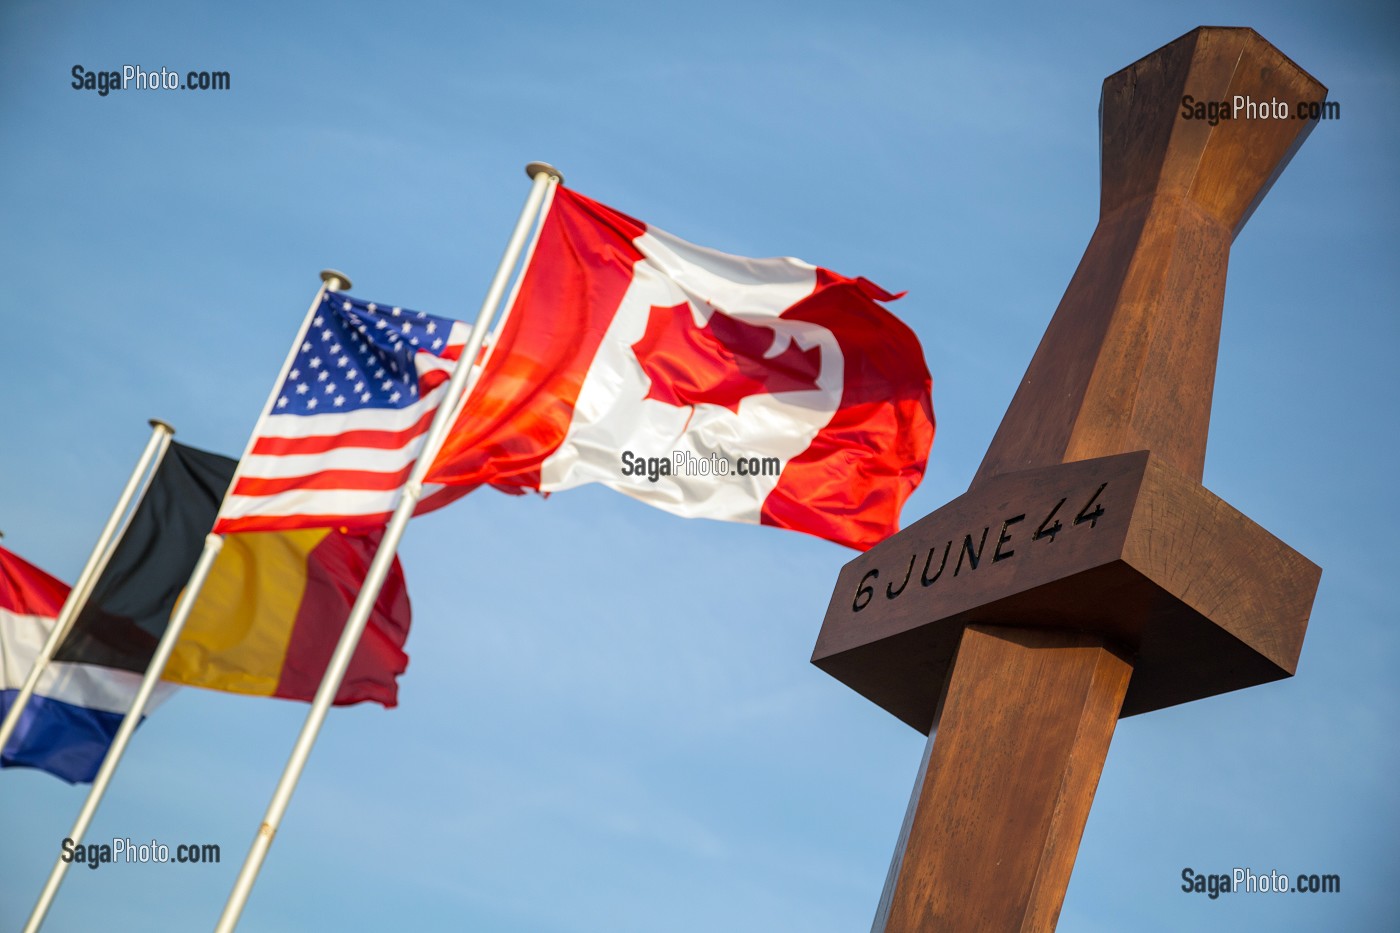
339, 468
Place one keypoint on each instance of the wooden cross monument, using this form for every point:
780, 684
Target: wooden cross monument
1086, 573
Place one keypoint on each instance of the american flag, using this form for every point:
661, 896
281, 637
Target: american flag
345, 425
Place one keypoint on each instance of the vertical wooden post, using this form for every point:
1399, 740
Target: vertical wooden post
1086, 574
1023, 735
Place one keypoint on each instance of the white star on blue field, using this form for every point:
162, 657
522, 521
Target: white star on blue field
356, 355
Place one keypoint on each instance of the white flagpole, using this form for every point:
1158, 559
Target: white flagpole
212, 544
499, 325
330, 280
544, 177
96, 563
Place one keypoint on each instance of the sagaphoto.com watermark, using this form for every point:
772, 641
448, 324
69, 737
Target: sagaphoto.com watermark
685, 463
134, 77
1244, 107
124, 851
1248, 881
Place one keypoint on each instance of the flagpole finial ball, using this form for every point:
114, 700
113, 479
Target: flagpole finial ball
535, 168
336, 281
157, 423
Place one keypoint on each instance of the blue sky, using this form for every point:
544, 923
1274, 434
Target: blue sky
609, 722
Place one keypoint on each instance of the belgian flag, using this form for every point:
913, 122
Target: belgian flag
271, 612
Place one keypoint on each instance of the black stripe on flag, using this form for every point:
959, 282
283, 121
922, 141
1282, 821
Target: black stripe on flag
132, 601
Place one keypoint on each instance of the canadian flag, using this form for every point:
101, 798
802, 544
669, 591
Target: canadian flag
773, 391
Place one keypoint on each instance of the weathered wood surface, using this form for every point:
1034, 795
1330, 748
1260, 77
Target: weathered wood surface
1029, 715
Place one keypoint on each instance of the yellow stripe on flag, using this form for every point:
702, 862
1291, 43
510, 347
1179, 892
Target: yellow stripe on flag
237, 635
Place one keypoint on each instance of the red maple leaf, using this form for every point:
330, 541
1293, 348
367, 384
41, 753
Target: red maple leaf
721, 363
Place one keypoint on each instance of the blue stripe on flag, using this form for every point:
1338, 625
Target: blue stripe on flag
64, 739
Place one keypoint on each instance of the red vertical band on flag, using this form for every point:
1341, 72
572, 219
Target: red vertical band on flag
849, 485
520, 410
335, 570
